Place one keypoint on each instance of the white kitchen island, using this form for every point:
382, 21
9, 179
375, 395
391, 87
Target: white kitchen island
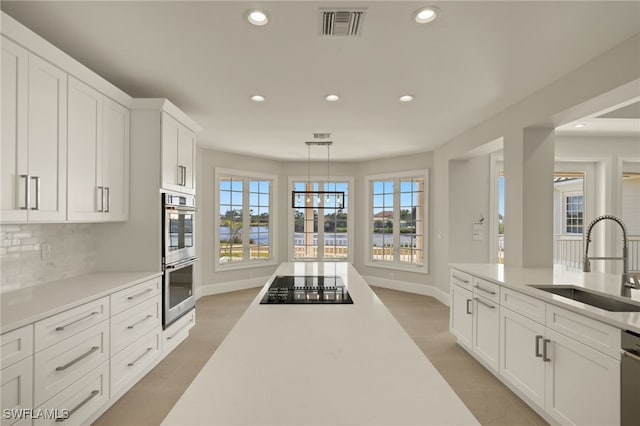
336, 364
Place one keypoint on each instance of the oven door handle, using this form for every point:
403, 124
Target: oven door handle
181, 208
178, 265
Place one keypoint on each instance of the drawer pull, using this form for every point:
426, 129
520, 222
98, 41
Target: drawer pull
484, 303
131, 327
142, 293
79, 406
545, 349
460, 279
62, 327
80, 358
484, 289
538, 338
131, 364
181, 328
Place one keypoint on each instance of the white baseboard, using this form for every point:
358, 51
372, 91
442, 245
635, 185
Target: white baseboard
409, 287
209, 289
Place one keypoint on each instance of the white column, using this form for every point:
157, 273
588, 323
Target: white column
529, 168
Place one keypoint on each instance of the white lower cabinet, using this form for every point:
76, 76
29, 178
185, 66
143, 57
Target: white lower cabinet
178, 331
129, 363
16, 390
567, 366
78, 402
521, 363
486, 331
461, 315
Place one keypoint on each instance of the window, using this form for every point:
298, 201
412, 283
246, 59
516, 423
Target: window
397, 220
321, 232
573, 213
245, 227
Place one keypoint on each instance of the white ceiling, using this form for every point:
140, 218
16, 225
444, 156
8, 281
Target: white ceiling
476, 60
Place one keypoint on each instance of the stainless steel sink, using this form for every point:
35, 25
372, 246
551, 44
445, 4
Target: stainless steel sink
589, 298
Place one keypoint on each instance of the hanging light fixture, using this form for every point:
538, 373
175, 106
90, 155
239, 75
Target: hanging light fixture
324, 199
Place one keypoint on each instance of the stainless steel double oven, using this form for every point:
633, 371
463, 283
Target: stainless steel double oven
178, 255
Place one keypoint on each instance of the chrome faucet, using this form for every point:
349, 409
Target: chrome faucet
628, 281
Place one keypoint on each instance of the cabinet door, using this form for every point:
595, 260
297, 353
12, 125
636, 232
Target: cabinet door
186, 160
461, 315
582, 384
486, 331
13, 148
16, 384
85, 188
521, 362
170, 143
47, 145
115, 160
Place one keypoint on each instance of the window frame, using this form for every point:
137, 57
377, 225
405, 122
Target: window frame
350, 218
273, 212
396, 176
565, 225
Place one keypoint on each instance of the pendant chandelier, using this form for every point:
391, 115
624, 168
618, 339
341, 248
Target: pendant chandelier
317, 199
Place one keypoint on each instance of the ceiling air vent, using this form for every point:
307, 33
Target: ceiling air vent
341, 22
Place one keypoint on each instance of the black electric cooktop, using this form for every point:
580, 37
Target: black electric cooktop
291, 289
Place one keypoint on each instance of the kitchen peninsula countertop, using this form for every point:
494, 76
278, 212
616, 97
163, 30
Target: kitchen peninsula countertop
329, 364
522, 280
31, 304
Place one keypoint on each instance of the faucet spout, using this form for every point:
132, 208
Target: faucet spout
627, 282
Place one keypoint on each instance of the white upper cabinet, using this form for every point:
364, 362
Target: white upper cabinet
34, 139
178, 156
98, 156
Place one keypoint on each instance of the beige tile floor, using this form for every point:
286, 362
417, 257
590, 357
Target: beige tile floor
424, 318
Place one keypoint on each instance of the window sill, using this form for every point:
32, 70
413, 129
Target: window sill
397, 267
242, 265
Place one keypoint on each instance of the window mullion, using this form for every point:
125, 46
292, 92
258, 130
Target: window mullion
246, 221
320, 255
396, 220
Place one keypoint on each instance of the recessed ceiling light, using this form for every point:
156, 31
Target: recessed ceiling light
257, 17
332, 98
426, 14
406, 98
579, 125
257, 98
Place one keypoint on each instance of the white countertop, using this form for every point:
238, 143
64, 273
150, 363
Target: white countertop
24, 306
522, 279
319, 365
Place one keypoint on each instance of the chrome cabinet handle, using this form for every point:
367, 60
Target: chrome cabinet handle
27, 191
62, 327
468, 307
77, 407
180, 175
484, 303
632, 356
460, 279
132, 363
37, 180
107, 192
538, 338
80, 358
181, 328
484, 289
142, 293
545, 349
100, 199
132, 326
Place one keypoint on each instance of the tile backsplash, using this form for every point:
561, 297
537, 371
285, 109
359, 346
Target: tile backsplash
32, 254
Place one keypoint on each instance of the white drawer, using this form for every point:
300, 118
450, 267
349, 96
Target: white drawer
462, 279
131, 296
79, 401
16, 391
527, 306
16, 345
60, 365
598, 335
486, 289
177, 332
133, 323
129, 363
54, 329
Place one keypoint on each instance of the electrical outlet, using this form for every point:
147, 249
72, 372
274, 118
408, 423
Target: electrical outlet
45, 251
